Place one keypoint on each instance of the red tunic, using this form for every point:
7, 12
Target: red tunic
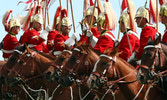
31, 37
50, 41
59, 42
124, 45
9, 43
147, 31
95, 32
164, 38
105, 41
83, 39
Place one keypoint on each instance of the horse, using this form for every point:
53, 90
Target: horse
153, 62
110, 70
79, 65
28, 72
54, 71
75, 73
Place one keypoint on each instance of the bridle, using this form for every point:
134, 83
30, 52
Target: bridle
158, 56
102, 79
80, 62
18, 76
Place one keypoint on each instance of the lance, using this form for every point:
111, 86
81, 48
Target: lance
85, 7
92, 15
67, 6
72, 16
119, 32
157, 15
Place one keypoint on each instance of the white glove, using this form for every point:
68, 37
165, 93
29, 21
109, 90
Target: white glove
89, 33
74, 36
48, 28
131, 57
94, 41
44, 35
138, 62
70, 42
85, 27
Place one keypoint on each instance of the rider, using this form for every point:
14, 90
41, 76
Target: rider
130, 41
59, 40
106, 39
33, 36
85, 23
55, 31
163, 14
10, 41
148, 30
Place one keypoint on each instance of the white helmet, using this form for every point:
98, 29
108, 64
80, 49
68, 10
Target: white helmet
143, 12
14, 22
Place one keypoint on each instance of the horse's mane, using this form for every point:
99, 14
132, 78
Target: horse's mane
126, 63
47, 56
164, 47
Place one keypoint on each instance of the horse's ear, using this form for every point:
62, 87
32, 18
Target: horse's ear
116, 44
108, 51
28, 49
157, 38
114, 51
149, 40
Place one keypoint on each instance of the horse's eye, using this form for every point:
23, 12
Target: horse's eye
72, 58
62, 59
104, 63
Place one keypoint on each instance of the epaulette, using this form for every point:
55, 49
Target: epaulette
134, 33
151, 25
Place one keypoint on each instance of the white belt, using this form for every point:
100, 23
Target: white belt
31, 45
7, 51
56, 53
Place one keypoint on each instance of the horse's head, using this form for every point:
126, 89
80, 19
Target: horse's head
79, 65
153, 61
104, 69
12, 60
54, 72
29, 66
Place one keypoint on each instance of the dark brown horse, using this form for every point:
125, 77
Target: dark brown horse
153, 61
28, 71
111, 69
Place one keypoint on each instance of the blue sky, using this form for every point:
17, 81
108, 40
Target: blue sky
77, 9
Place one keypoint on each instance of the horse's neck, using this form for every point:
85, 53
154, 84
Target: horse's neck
124, 69
164, 49
93, 58
43, 62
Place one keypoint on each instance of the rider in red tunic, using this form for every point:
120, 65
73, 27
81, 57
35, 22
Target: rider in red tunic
107, 39
32, 36
10, 41
127, 47
54, 31
163, 13
86, 23
59, 40
142, 20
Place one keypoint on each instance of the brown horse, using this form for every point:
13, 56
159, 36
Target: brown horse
53, 73
28, 71
153, 61
111, 69
79, 65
